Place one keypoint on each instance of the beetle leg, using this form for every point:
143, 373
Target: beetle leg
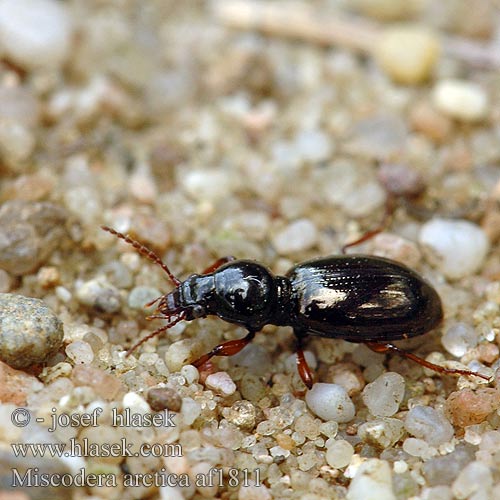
302, 366
389, 210
218, 263
383, 348
225, 349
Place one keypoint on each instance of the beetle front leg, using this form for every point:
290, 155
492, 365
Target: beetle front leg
383, 348
302, 366
228, 348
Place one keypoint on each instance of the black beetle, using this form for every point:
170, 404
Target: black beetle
358, 298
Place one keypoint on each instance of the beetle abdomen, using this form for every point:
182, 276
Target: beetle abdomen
362, 298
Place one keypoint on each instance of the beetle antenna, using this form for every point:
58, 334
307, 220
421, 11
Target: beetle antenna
143, 250
155, 333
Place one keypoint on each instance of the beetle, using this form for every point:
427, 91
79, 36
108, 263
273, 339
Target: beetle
358, 298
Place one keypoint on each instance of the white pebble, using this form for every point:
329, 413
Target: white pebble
221, 383
252, 491
80, 352
381, 433
291, 362
63, 293
459, 338
384, 395
314, 145
460, 99
428, 424
16, 141
99, 294
179, 354
373, 481
457, 247
190, 373
207, 185
339, 454
135, 403
473, 478
330, 402
296, 237
190, 410
362, 201
416, 447
35, 33
408, 54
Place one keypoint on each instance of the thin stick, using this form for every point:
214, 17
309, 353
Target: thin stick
303, 22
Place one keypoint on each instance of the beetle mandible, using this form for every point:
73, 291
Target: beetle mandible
358, 298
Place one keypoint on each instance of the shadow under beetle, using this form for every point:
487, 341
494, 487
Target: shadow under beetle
358, 298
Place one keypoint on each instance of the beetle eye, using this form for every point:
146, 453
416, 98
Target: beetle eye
198, 311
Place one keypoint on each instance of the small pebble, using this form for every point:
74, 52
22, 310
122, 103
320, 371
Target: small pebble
476, 477
417, 447
17, 142
29, 331
437, 493
190, 373
384, 395
428, 424
427, 119
392, 246
80, 352
381, 433
16, 385
456, 247
29, 233
105, 385
364, 199
459, 338
5, 281
408, 54
461, 99
253, 491
190, 410
18, 104
35, 33
242, 413
330, 402
48, 276
161, 398
314, 145
180, 353
347, 375
139, 296
100, 295
135, 402
222, 383
254, 358
468, 407
296, 237
400, 180
339, 454
373, 481
207, 184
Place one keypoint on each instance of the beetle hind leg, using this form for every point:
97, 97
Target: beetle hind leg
383, 348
